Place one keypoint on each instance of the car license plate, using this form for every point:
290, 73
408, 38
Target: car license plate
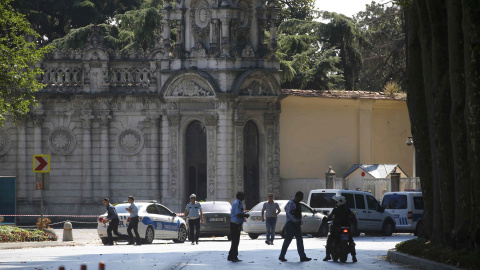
216, 219
345, 237
256, 218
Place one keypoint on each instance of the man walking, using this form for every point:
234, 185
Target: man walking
293, 211
195, 215
133, 224
236, 220
112, 220
272, 210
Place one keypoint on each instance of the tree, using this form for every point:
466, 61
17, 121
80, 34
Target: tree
18, 55
443, 98
53, 19
383, 54
296, 9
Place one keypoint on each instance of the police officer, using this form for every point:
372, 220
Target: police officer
195, 215
342, 216
237, 216
112, 220
133, 224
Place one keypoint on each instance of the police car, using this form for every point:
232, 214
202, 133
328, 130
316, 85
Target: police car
155, 222
406, 207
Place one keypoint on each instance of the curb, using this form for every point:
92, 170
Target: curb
20, 245
417, 262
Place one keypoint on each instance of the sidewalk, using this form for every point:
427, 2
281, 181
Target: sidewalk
81, 237
417, 262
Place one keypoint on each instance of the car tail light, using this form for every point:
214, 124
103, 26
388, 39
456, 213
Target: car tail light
100, 219
345, 230
410, 215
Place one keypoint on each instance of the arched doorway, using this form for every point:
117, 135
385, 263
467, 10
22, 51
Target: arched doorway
196, 160
251, 164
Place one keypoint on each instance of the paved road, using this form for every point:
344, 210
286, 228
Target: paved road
211, 253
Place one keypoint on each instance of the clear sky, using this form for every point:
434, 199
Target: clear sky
346, 7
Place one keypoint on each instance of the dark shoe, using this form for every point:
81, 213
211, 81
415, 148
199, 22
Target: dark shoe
282, 259
228, 259
271, 243
193, 243
327, 258
354, 258
306, 259
196, 242
236, 260
266, 242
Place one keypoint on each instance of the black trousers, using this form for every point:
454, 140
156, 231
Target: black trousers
133, 225
113, 226
235, 236
194, 226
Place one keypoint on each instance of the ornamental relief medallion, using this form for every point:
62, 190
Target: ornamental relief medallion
187, 88
130, 141
62, 141
4, 142
200, 18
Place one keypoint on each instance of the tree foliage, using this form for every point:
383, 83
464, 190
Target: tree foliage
18, 55
53, 19
296, 9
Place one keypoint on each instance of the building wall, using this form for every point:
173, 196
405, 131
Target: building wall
316, 133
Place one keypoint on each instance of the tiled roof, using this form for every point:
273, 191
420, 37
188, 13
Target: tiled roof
342, 94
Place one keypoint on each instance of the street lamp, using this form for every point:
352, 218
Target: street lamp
409, 142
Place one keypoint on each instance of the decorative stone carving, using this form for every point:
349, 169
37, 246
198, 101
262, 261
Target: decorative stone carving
248, 51
189, 89
211, 160
173, 122
4, 142
211, 120
200, 17
239, 157
62, 141
198, 51
255, 88
244, 17
130, 141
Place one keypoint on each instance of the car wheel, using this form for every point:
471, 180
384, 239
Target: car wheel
149, 235
104, 240
182, 235
253, 235
387, 229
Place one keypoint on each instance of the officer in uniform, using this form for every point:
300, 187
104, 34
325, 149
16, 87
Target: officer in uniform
112, 220
194, 212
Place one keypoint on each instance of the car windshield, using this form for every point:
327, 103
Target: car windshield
394, 201
322, 200
216, 207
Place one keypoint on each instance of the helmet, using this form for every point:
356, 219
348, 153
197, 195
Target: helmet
193, 196
339, 200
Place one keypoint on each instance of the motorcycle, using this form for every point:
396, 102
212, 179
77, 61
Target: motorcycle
341, 244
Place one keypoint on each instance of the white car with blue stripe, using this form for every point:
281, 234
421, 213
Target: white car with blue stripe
156, 222
406, 207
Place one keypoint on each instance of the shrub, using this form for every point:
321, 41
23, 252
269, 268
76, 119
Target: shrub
14, 234
46, 222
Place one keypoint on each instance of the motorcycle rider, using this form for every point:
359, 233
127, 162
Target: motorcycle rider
341, 216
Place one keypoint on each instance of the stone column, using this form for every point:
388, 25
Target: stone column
104, 118
22, 162
173, 122
86, 118
273, 153
179, 46
239, 121
154, 117
211, 123
225, 37
37, 119
330, 178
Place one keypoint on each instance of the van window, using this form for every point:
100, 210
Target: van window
359, 201
349, 198
322, 200
394, 201
372, 203
418, 203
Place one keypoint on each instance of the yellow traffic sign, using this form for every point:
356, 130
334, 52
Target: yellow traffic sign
41, 163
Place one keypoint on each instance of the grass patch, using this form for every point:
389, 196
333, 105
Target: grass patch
425, 249
14, 234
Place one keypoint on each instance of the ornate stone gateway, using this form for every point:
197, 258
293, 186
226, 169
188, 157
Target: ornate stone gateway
117, 123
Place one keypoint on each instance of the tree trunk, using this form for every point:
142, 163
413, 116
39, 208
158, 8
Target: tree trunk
458, 126
471, 35
418, 116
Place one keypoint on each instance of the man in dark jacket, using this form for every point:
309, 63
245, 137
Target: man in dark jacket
112, 219
342, 216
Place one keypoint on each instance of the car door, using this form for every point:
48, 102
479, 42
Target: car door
169, 226
308, 219
361, 212
154, 219
375, 217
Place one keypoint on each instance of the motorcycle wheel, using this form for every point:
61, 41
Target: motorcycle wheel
344, 251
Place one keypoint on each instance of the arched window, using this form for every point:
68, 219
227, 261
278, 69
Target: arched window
196, 160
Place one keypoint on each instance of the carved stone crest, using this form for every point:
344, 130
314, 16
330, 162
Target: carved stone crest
189, 89
61, 141
255, 88
4, 142
130, 141
200, 18
248, 51
198, 51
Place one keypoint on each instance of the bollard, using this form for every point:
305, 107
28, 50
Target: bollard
101, 266
67, 231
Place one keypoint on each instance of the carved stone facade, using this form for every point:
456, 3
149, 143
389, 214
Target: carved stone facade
114, 122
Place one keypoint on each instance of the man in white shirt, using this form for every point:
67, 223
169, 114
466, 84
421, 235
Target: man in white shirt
272, 210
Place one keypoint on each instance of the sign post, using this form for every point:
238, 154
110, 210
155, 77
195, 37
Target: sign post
41, 166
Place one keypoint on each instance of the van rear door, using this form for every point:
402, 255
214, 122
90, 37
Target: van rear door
322, 202
360, 212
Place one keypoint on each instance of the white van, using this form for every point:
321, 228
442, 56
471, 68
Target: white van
371, 217
406, 207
